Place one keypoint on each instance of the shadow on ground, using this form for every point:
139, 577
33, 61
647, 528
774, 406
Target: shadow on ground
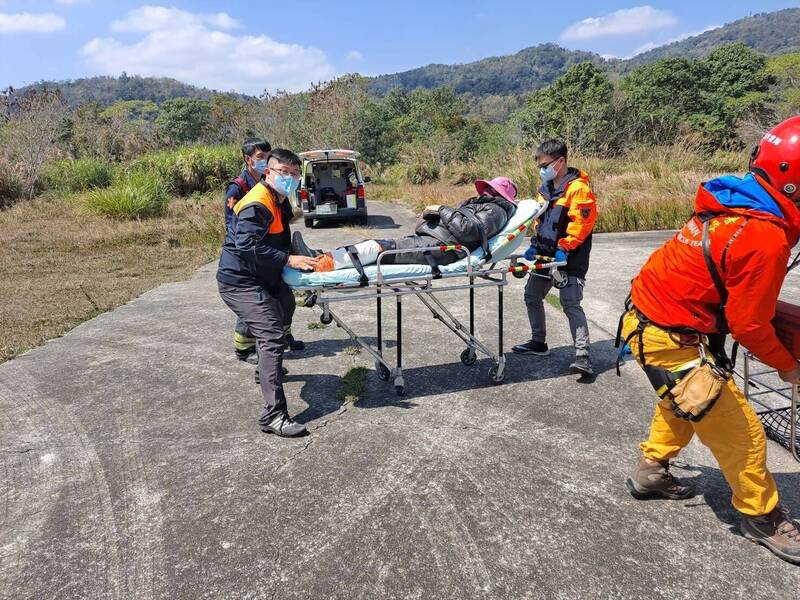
320, 391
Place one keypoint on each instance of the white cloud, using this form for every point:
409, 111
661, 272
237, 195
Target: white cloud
679, 38
621, 22
30, 23
354, 56
198, 52
159, 18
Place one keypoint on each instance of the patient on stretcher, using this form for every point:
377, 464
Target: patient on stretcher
471, 225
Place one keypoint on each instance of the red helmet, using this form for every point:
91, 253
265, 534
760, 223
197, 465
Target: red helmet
777, 158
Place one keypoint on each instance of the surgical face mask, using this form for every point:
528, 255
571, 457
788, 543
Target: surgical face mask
285, 185
259, 166
547, 173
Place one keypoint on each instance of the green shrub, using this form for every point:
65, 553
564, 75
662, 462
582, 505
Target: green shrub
77, 175
418, 173
192, 169
136, 196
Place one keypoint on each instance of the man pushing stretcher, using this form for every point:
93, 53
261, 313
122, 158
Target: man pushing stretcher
471, 225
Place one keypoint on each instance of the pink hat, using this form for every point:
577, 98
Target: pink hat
502, 185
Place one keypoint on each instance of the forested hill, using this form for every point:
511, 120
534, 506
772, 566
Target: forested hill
533, 68
528, 69
108, 90
770, 33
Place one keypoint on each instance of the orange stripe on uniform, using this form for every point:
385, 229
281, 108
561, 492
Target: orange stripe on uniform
262, 195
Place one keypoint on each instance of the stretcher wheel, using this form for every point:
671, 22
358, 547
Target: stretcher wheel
519, 274
400, 390
494, 375
468, 357
325, 319
383, 372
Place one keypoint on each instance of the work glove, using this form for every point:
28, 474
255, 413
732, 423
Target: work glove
561, 255
530, 253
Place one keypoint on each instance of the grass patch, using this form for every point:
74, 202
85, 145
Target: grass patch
60, 267
316, 325
553, 301
191, 169
354, 384
69, 176
134, 197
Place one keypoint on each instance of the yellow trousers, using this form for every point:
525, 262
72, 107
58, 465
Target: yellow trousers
731, 429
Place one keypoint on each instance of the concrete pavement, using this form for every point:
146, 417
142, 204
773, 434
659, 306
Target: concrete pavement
134, 468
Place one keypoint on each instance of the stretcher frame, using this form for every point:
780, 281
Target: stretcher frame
773, 419
425, 287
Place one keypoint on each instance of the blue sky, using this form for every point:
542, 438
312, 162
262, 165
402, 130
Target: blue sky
251, 46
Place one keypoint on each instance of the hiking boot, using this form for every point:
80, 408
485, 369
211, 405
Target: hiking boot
283, 426
776, 531
653, 480
248, 356
301, 248
582, 366
293, 344
531, 347
257, 377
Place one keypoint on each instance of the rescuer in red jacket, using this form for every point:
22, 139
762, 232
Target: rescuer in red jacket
721, 273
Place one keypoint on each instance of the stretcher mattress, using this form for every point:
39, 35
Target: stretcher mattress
503, 245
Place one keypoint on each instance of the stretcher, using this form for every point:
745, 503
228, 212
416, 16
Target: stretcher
427, 282
763, 388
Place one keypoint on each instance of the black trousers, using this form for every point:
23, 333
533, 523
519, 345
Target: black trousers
264, 312
416, 258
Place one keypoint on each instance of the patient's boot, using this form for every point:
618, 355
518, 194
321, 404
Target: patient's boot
300, 247
653, 480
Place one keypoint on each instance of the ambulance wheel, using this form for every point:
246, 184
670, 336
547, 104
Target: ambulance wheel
400, 390
468, 357
519, 274
382, 370
325, 319
494, 375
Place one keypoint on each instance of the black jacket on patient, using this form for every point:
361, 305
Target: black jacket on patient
474, 221
461, 225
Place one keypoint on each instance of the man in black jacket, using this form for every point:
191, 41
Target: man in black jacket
257, 247
255, 152
471, 225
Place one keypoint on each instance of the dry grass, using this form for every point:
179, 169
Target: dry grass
60, 267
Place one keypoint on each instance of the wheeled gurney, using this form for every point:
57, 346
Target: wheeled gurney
381, 281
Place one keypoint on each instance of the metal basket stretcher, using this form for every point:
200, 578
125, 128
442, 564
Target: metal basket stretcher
771, 396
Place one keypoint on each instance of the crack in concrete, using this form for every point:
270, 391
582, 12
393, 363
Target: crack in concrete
292, 457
